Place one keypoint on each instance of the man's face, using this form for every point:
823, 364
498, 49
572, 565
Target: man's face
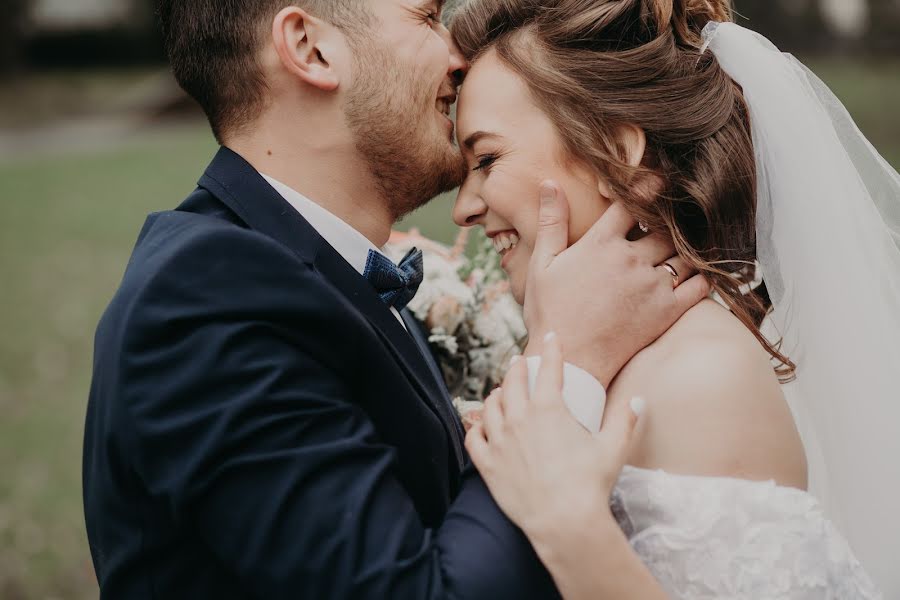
405, 79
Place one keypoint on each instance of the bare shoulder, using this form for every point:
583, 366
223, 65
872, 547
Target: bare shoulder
714, 404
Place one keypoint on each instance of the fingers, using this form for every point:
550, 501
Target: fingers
553, 225
492, 415
681, 267
619, 426
690, 293
470, 418
656, 247
615, 222
548, 388
477, 446
515, 389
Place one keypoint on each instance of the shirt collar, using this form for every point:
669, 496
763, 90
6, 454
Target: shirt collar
350, 244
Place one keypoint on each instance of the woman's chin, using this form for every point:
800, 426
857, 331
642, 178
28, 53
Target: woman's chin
515, 264
517, 289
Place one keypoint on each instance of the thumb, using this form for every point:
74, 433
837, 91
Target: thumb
553, 224
618, 429
690, 293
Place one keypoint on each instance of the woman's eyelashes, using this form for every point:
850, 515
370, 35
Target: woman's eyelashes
485, 161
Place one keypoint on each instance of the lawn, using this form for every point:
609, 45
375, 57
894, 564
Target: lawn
871, 92
66, 229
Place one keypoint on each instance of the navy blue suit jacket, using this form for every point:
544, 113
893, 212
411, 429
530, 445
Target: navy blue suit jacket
260, 425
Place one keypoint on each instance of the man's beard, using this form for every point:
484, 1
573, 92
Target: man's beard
395, 132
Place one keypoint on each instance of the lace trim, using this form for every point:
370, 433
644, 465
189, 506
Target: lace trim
705, 537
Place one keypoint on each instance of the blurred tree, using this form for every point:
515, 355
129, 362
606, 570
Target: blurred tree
793, 25
884, 36
12, 28
112, 33
826, 26
772, 19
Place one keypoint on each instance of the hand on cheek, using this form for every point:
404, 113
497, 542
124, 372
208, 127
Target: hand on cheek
606, 296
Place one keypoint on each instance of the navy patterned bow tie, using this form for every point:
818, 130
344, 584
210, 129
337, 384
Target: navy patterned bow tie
395, 284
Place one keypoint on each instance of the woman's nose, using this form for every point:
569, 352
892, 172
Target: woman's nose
469, 208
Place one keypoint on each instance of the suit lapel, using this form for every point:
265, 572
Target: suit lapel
415, 329
236, 183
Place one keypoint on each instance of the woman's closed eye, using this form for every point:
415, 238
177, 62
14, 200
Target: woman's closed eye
485, 161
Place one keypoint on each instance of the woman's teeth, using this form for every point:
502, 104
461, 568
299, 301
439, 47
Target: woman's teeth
505, 242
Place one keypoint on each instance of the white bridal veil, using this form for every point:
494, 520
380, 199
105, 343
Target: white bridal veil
828, 236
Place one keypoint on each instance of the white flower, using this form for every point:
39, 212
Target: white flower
445, 341
447, 313
475, 325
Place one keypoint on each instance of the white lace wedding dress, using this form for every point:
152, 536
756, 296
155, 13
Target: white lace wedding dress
722, 538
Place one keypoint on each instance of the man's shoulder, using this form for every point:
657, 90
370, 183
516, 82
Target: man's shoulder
172, 234
187, 263
175, 241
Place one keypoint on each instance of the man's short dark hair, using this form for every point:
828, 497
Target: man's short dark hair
213, 47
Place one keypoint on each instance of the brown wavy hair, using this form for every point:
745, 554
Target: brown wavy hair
594, 66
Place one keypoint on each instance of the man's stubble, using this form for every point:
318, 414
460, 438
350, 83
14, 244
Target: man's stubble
391, 114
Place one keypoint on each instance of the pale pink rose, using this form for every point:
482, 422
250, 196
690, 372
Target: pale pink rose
447, 313
408, 239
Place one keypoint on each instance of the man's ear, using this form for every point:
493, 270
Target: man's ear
303, 45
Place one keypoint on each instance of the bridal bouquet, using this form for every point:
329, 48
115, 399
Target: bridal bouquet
474, 325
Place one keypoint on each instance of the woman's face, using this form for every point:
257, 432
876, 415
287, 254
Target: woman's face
510, 147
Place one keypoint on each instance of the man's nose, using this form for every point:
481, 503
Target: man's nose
459, 66
469, 208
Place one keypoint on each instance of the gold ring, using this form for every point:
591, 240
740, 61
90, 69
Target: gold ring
673, 273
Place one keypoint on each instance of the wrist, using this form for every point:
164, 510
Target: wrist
614, 570
569, 517
562, 545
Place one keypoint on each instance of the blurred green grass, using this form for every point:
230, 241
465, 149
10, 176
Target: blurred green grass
67, 226
871, 92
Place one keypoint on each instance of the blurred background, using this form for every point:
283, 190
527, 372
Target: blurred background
94, 134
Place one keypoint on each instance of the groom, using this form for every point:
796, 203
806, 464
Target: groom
265, 420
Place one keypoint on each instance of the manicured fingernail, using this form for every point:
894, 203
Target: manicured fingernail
548, 192
550, 337
514, 359
638, 405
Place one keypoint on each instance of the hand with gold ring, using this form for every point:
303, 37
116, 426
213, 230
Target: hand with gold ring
678, 269
553, 478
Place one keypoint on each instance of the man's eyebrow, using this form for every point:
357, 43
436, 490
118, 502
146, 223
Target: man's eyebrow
470, 141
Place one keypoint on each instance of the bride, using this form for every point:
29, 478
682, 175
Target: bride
763, 465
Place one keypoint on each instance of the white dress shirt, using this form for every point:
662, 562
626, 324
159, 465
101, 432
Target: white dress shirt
350, 244
583, 394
